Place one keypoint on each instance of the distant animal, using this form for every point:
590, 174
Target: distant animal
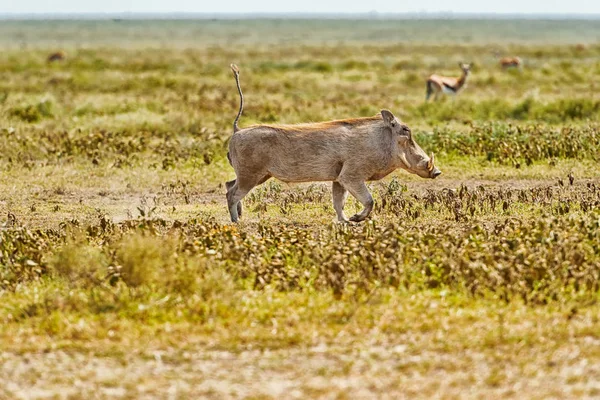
57, 56
510, 62
346, 152
437, 84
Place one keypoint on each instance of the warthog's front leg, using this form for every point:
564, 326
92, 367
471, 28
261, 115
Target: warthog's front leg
339, 198
361, 193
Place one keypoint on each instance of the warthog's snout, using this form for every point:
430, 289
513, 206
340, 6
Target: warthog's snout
434, 172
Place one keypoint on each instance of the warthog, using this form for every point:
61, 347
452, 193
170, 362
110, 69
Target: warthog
347, 152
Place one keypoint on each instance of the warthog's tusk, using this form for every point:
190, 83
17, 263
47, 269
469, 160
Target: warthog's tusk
403, 159
430, 164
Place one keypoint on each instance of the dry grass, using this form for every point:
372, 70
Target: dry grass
120, 275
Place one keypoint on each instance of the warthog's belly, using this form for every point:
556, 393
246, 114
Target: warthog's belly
312, 167
300, 176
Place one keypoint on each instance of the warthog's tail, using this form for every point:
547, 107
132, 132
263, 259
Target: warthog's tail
236, 74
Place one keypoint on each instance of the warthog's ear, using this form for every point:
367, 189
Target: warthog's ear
388, 117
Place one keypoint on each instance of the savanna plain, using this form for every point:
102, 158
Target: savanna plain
122, 277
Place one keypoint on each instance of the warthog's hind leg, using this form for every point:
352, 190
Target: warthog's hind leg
239, 189
339, 198
360, 191
229, 185
234, 196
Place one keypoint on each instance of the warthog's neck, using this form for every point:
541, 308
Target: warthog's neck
386, 165
382, 174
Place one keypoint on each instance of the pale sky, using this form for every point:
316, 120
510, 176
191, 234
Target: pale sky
305, 6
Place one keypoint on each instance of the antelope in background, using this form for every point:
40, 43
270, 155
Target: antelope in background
437, 84
508, 62
58, 56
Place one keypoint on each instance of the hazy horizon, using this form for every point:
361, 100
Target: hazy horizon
313, 7
296, 15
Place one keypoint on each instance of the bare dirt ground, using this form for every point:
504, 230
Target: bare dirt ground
367, 371
40, 207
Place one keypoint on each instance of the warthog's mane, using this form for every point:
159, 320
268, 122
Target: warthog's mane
320, 126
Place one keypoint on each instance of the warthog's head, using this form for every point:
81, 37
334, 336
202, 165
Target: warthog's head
412, 156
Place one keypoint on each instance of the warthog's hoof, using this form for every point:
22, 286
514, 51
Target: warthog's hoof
357, 218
